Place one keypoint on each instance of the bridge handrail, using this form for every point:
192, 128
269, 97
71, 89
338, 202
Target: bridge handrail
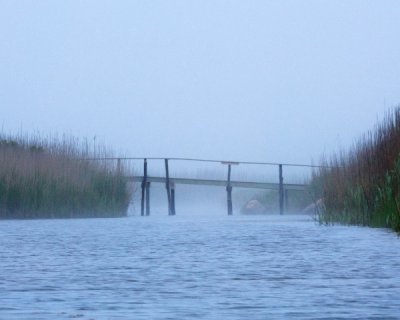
209, 160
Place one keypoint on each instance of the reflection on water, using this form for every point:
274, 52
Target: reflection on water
204, 267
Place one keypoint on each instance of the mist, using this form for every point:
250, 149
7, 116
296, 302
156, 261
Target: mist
253, 81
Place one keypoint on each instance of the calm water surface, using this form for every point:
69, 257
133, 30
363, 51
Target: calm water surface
197, 268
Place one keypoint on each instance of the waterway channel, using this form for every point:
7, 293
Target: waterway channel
197, 267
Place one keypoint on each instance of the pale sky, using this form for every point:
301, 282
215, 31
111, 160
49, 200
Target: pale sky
279, 81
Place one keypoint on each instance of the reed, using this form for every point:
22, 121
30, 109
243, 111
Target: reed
362, 185
49, 178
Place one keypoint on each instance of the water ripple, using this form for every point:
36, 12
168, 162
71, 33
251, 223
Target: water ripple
181, 268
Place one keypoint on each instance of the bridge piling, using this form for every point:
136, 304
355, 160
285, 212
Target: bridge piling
172, 184
281, 191
144, 183
148, 198
229, 191
168, 187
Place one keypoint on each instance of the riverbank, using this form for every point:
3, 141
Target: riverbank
361, 186
48, 178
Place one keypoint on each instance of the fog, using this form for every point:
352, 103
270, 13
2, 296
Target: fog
201, 201
279, 81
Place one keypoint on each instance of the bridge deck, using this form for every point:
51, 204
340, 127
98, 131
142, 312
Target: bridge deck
220, 183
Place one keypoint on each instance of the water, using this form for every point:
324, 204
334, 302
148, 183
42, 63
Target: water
214, 267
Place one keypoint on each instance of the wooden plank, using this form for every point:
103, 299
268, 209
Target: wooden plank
221, 183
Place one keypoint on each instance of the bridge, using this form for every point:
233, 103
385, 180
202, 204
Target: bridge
170, 182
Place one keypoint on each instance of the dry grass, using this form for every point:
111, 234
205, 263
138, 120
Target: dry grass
359, 184
47, 178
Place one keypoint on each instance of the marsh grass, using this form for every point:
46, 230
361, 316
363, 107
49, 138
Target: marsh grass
49, 178
362, 186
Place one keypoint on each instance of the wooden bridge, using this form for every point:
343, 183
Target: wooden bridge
170, 182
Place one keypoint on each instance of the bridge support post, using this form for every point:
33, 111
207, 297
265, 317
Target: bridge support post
173, 212
281, 191
229, 191
168, 187
147, 198
144, 183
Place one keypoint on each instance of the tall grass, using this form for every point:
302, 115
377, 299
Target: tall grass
362, 186
49, 178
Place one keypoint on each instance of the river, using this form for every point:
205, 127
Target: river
197, 267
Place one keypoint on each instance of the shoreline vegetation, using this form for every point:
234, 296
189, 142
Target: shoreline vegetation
49, 178
361, 186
